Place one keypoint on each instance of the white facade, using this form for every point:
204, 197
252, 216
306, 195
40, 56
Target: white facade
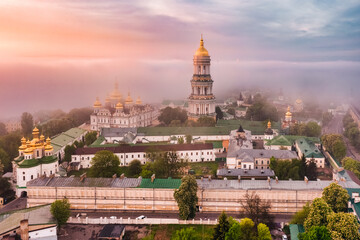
203, 155
44, 233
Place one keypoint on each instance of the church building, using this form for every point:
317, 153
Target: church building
201, 99
121, 113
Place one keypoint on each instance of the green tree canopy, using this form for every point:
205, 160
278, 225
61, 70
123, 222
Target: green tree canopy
206, 122
104, 164
316, 233
247, 229
5, 161
27, 123
69, 150
186, 197
312, 129
319, 210
134, 168
261, 110
219, 113
169, 114
334, 143
263, 232
90, 137
185, 234
60, 209
234, 232
300, 216
188, 138
344, 224
336, 197
222, 227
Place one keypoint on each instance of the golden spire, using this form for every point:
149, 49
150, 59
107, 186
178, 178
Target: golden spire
97, 103
48, 146
23, 144
35, 133
128, 99
288, 113
201, 50
269, 124
119, 105
138, 101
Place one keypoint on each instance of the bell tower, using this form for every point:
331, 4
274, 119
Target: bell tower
201, 99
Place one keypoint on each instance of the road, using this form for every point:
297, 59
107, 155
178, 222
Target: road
335, 126
161, 214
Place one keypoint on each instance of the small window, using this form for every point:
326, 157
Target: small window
24, 178
32, 177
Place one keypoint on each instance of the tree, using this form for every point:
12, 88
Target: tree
351, 165
2, 129
219, 113
335, 144
247, 229
310, 170
234, 232
104, 164
231, 111
326, 118
185, 234
180, 140
5, 161
168, 164
134, 169
79, 115
27, 123
147, 170
188, 138
69, 150
312, 129
186, 197
60, 209
169, 114
257, 209
317, 216
300, 216
316, 233
336, 197
222, 227
90, 137
4, 185
206, 122
263, 232
339, 149
344, 224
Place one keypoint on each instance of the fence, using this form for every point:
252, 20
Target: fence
146, 221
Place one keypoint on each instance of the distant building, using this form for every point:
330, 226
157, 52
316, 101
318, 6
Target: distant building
200, 152
13, 125
240, 100
35, 159
201, 99
299, 105
287, 142
118, 112
269, 133
307, 148
288, 121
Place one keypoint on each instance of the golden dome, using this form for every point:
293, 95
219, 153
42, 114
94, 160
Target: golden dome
107, 99
23, 140
28, 150
269, 124
128, 99
23, 144
48, 147
298, 101
288, 113
97, 103
42, 138
138, 101
119, 105
201, 51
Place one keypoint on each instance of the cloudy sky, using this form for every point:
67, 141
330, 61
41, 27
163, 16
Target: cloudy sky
64, 53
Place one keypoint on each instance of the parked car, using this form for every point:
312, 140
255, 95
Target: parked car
141, 217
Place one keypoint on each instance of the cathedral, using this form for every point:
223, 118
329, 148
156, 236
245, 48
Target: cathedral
201, 100
118, 112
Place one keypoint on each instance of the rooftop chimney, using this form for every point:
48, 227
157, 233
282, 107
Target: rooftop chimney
114, 176
306, 179
152, 178
277, 179
202, 178
209, 178
268, 179
24, 229
122, 176
239, 178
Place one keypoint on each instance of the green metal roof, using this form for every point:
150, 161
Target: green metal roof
217, 144
28, 163
288, 140
308, 148
356, 205
98, 142
160, 183
295, 229
65, 138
